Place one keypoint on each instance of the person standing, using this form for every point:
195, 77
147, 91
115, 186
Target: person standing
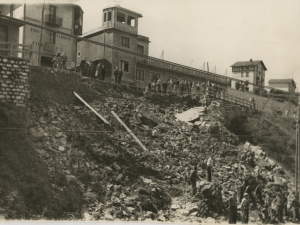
258, 194
232, 209
58, 57
279, 207
193, 178
295, 207
120, 74
97, 70
64, 59
245, 208
116, 73
82, 66
210, 164
102, 71
158, 85
165, 85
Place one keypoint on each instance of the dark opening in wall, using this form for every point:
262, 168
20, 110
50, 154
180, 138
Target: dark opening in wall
121, 17
131, 21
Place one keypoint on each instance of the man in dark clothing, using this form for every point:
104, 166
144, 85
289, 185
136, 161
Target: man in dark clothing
245, 208
116, 73
82, 66
120, 74
97, 73
102, 71
258, 194
87, 69
295, 207
248, 190
193, 178
165, 85
279, 207
233, 209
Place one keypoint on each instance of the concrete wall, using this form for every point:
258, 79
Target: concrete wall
14, 84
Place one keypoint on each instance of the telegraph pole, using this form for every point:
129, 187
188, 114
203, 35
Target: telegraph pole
297, 170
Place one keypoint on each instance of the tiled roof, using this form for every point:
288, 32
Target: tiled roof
249, 63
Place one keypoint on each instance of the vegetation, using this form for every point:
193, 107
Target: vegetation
271, 131
237, 85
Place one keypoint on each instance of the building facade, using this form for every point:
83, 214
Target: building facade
67, 18
287, 85
252, 71
120, 29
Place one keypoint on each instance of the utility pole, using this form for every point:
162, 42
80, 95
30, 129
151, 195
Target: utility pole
40, 45
297, 170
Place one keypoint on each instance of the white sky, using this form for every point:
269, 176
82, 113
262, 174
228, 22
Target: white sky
216, 31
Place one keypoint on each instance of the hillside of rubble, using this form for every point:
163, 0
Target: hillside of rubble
60, 161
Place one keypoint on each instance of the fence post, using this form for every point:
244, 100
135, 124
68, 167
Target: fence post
11, 49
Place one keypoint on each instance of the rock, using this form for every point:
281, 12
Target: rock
131, 209
58, 134
61, 148
156, 133
175, 207
116, 166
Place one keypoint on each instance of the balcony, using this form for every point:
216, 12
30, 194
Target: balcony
182, 69
53, 20
77, 29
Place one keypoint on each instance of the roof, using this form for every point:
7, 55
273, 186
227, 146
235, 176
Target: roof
127, 10
249, 63
273, 81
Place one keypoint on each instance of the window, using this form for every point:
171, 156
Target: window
125, 41
242, 74
140, 49
247, 74
131, 21
109, 16
140, 74
121, 17
124, 66
50, 37
154, 76
104, 19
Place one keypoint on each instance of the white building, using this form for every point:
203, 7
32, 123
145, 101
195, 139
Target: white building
252, 71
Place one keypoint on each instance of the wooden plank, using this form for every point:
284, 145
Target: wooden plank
91, 108
129, 131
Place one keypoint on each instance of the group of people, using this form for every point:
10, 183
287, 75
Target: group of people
183, 87
89, 70
118, 73
251, 196
60, 59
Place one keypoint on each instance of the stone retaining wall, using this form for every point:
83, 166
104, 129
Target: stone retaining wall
14, 80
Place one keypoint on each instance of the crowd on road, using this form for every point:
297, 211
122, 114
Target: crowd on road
250, 198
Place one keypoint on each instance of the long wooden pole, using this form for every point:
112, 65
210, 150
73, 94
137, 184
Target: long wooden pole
91, 108
41, 36
129, 131
298, 150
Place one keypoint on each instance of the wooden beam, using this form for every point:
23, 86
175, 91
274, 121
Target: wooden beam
91, 108
129, 131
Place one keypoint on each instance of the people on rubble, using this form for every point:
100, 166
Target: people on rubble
58, 58
82, 66
102, 71
258, 194
97, 71
116, 74
245, 208
242, 189
193, 178
120, 74
285, 202
165, 86
158, 86
279, 206
64, 59
210, 164
233, 209
182, 87
295, 209
248, 190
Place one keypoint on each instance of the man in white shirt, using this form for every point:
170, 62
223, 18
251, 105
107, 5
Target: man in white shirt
210, 164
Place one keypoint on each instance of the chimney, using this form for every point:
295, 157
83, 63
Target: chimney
250, 60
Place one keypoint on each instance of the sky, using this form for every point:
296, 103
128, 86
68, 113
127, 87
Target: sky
220, 32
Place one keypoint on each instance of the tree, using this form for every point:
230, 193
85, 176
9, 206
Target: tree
237, 85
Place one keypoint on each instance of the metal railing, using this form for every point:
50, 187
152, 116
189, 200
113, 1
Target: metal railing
12, 49
53, 20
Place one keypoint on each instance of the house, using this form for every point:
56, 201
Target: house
252, 71
9, 31
120, 30
66, 18
287, 85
